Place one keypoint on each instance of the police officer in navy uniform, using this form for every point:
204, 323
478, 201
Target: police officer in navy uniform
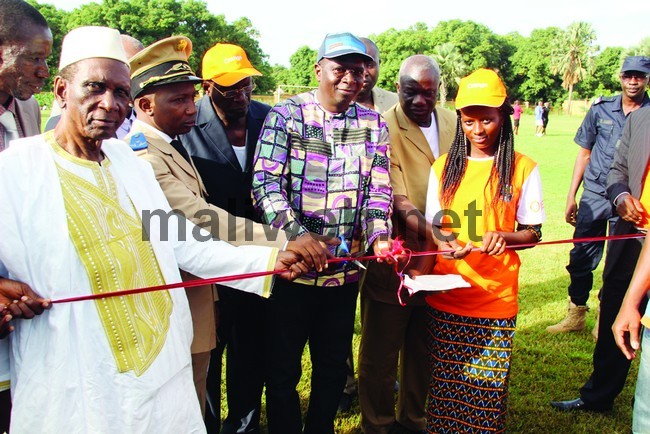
598, 136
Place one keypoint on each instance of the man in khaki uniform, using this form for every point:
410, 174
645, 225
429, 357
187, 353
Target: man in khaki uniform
419, 133
163, 91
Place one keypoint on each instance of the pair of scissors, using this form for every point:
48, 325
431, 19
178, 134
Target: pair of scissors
346, 250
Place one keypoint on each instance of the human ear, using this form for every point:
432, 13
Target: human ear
60, 90
318, 69
145, 105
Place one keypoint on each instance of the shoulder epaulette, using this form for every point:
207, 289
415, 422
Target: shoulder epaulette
601, 99
138, 142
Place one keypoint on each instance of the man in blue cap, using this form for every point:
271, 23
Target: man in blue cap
321, 168
598, 137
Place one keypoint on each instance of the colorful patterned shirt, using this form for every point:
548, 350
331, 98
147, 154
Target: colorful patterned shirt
326, 173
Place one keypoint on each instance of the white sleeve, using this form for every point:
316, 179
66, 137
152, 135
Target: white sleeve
214, 258
195, 251
530, 209
433, 208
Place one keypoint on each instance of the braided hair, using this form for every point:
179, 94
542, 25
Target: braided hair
502, 168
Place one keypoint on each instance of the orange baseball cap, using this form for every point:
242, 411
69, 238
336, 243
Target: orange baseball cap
482, 87
226, 64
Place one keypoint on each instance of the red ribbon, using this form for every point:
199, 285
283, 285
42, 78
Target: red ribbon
186, 284
397, 250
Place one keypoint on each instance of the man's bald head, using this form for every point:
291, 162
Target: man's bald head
131, 45
417, 88
419, 63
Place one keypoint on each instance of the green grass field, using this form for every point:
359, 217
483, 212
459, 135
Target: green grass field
544, 367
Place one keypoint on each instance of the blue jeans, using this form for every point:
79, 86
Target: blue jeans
641, 415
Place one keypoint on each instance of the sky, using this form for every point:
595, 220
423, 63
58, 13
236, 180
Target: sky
286, 25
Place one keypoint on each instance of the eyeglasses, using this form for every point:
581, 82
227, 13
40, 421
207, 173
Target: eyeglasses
630, 75
341, 71
232, 93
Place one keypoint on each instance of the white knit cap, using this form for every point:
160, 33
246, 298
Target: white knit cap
91, 42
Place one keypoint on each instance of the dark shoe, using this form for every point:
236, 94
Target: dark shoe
576, 405
345, 404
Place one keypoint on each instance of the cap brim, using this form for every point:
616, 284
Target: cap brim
230, 78
495, 101
637, 69
171, 80
345, 53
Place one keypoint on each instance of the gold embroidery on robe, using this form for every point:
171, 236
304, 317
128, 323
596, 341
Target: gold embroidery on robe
109, 243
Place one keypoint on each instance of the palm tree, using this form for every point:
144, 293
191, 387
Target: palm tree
572, 55
452, 67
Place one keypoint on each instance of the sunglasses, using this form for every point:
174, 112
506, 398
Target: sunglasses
232, 93
630, 75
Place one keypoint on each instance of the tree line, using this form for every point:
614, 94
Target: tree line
551, 64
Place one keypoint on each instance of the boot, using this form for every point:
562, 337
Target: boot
575, 320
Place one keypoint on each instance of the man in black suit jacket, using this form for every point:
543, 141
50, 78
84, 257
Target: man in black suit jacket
222, 144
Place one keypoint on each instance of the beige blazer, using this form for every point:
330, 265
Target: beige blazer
184, 190
410, 164
383, 99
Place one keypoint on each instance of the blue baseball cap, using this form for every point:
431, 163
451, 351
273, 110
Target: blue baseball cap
636, 63
341, 44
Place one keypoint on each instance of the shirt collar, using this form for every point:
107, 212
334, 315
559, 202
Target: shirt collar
164, 136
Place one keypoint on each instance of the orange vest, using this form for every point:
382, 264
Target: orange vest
493, 279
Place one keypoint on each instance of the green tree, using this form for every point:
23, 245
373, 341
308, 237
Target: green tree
56, 19
479, 46
152, 20
395, 46
572, 55
280, 74
452, 67
301, 72
643, 49
529, 77
604, 78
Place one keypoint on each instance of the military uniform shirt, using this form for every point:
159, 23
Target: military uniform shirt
599, 132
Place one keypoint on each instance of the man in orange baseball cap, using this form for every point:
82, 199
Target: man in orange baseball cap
222, 145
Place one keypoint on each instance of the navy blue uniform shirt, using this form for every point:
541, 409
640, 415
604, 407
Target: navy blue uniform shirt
600, 131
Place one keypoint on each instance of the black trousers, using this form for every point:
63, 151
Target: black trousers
324, 317
594, 219
240, 334
610, 365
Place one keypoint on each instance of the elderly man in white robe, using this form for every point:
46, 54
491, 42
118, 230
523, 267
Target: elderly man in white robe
71, 223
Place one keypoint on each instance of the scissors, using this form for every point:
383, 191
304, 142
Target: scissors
346, 250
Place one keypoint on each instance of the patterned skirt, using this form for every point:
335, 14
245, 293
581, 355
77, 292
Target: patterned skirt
470, 366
